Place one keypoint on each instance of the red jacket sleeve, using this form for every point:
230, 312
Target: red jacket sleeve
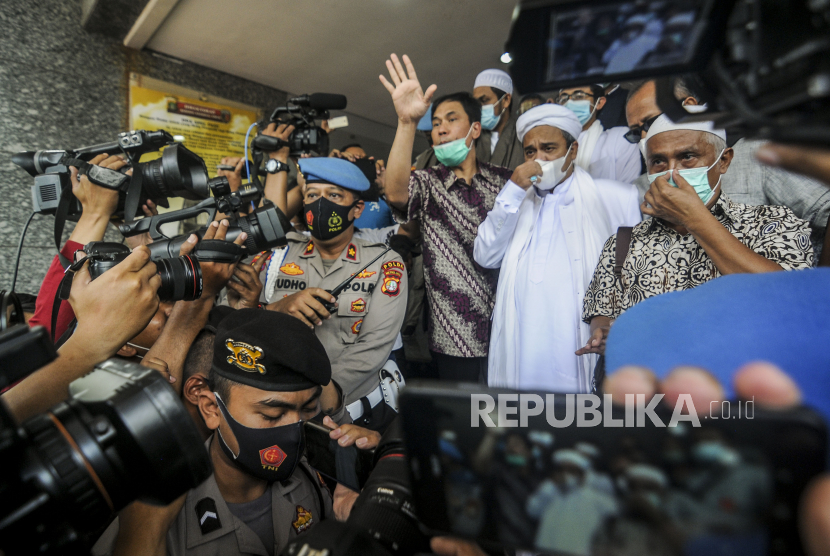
48, 290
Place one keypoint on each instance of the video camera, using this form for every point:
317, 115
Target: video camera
266, 226
301, 112
762, 65
178, 173
122, 435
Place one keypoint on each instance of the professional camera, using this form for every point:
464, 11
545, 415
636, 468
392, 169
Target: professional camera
763, 65
178, 173
122, 435
181, 277
266, 226
301, 112
382, 521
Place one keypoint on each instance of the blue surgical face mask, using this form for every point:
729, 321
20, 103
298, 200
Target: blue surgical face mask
583, 109
453, 153
698, 178
489, 120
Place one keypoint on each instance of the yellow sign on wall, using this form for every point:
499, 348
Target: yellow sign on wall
212, 127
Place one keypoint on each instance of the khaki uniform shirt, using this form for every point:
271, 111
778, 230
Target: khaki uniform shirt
360, 334
295, 507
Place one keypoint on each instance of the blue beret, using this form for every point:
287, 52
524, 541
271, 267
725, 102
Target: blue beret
336, 171
425, 123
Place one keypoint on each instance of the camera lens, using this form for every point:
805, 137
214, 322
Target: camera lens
124, 435
265, 228
178, 173
181, 279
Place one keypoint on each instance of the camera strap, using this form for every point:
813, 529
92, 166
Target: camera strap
60, 222
64, 288
103, 177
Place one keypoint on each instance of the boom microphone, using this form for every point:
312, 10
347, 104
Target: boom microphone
321, 101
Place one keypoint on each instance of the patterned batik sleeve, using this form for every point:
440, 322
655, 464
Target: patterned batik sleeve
418, 184
782, 237
603, 294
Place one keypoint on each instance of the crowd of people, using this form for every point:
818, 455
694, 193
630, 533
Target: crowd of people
501, 255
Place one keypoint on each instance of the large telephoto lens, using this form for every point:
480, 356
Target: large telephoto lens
181, 279
178, 173
122, 436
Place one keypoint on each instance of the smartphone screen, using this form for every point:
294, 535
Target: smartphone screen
349, 466
730, 486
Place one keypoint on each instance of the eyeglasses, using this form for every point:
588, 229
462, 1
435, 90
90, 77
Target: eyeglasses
578, 95
636, 133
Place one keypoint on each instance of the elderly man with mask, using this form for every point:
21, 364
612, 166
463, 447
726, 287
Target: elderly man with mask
546, 233
696, 232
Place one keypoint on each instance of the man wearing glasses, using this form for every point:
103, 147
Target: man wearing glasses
604, 154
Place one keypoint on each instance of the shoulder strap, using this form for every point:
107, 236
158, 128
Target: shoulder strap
623, 244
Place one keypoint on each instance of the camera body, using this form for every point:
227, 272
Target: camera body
302, 112
181, 277
122, 435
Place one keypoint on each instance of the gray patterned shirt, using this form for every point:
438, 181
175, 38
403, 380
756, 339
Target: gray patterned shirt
661, 260
460, 293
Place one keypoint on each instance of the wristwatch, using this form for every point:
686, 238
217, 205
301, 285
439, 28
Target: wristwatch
273, 166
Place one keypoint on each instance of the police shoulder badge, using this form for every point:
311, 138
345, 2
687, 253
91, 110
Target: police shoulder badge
358, 305
309, 249
292, 269
392, 273
244, 356
304, 520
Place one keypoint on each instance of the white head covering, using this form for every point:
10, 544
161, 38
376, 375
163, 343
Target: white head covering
552, 115
573, 457
685, 18
495, 78
643, 472
663, 124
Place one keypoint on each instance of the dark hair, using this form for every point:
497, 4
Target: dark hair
687, 86
471, 106
350, 145
499, 93
220, 385
200, 355
569, 139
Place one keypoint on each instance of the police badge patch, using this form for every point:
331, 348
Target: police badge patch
304, 520
244, 356
392, 274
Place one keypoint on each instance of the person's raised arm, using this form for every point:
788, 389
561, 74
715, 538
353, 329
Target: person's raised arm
276, 185
189, 317
110, 311
411, 103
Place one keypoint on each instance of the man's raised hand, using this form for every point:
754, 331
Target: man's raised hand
411, 102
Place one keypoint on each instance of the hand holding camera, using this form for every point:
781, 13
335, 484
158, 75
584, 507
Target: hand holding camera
282, 132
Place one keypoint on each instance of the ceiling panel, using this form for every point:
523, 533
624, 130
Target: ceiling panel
339, 46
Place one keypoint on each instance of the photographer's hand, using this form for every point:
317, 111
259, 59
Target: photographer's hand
280, 131
348, 435
214, 275
449, 546
234, 176
150, 210
245, 287
342, 501
98, 203
305, 306
276, 185
110, 311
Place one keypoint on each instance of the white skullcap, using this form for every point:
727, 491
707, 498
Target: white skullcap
643, 472
587, 449
638, 19
573, 457
552, 115
495, 78
685, 18
663, 124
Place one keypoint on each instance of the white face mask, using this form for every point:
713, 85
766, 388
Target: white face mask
553, 171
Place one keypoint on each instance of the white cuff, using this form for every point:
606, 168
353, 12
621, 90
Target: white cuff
511, 197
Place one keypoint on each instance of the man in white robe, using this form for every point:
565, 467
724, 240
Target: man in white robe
546, 232
604, 153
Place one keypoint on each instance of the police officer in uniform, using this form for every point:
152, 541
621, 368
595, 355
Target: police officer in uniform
267, 375
360, 333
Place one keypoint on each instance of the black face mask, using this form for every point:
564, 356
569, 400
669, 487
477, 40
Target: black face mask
325, 219
270, 454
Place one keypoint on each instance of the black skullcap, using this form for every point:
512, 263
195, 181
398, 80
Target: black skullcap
217, 314
270, 351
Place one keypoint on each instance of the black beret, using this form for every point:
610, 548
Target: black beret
270, 351
217, 314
